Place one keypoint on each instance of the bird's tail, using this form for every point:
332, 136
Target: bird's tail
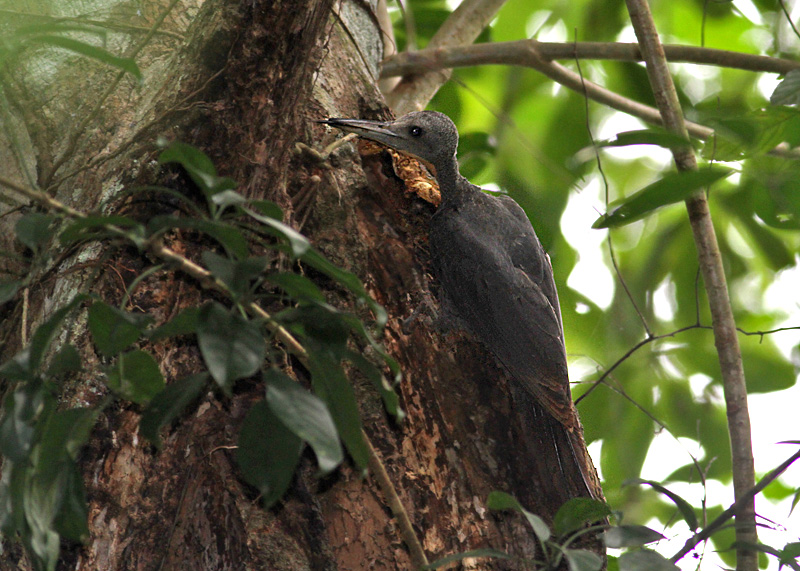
560, 453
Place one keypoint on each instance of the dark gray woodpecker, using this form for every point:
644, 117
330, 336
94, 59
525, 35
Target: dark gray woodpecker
494, 274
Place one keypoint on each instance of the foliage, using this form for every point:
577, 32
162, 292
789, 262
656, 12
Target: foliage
42, 499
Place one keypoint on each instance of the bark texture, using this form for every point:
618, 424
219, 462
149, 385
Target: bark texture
245, 87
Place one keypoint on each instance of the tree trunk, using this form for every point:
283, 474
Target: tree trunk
245, 84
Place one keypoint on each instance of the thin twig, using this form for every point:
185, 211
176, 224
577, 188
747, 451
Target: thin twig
733, 510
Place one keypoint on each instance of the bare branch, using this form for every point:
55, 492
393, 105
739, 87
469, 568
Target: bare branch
461, 27
710, 259
517, 53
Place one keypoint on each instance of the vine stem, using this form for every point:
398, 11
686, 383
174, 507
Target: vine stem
710, 260
208, 280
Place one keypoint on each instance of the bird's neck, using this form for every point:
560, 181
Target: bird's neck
452, 185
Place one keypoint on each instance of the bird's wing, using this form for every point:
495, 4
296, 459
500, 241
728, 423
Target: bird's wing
501, 285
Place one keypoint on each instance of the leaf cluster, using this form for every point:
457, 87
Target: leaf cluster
42, 500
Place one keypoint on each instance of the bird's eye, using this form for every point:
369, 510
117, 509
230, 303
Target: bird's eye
415, 131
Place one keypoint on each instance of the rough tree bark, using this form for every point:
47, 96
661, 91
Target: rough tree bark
245, 84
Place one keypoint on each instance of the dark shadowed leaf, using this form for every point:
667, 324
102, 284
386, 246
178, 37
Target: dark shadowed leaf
683, 506
788, 90
582, 560
229, 237
298, 243
114, 330
334, 388
503, 501
630, 536
98, 227
198, 166
8, 290
299, 287
390, 399
236, 275
268, 453
34, 229
17, 427
578, 512
232, 347
136, 376
67, 360
185, 323
645, 560
170, 403
657, 137
307, 416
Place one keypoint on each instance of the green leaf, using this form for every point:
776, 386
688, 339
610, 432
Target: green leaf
346, 279
114, 330
298, 243
299, 287
653, 136
17, 426
683, 506
125, 64
577, 512
67, 360
185, 323
34, 229
321, 321
46, 332
645, 560
8, 290
268, 453
673, 187
582, 560
630, 536
96, 227
136, 376
236, 275
228, 236
788, 90
503, 501
390, 399
169, 404
307, 416
333, 387
198, 166
268, 208
232, 347
227, 198
474, 554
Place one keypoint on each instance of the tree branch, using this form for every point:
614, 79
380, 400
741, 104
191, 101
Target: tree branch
733, 509
726, 341
517, 53
461, 27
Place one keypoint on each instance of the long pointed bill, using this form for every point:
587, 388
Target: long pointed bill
375, 130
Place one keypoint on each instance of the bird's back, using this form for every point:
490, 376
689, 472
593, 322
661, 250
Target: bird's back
496, 277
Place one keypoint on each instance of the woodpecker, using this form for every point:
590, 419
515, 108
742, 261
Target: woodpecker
493, 272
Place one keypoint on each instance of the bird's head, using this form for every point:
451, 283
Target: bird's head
427, 135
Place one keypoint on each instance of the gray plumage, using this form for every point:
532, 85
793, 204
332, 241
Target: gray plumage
494, 273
